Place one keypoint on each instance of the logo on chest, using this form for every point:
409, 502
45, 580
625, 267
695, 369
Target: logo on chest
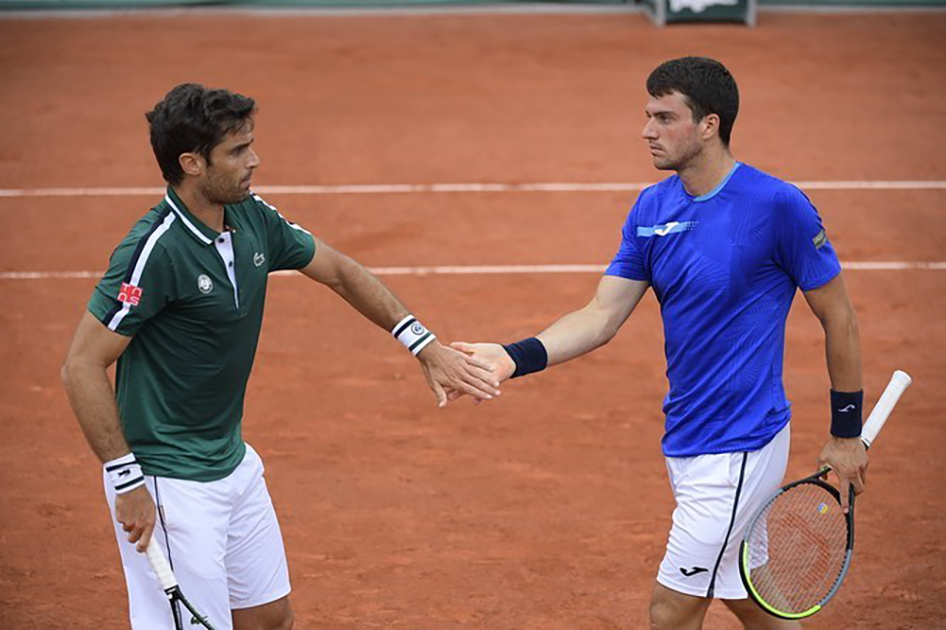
666, 229
258, 259
205, 284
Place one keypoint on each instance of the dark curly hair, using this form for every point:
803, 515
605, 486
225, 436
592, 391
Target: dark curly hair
192, 118
707, 86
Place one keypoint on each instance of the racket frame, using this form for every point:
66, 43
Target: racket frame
816, 479
875, 422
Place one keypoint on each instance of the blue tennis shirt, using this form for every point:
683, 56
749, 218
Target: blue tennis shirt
724, 267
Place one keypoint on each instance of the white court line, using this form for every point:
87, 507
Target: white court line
386, 189
471, 270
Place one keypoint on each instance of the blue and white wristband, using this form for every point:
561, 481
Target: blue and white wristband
412, 334
125, 473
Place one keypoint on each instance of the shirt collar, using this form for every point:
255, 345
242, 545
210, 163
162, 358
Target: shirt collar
196, 229
719, 186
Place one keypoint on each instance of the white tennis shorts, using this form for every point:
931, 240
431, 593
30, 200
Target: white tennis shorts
717, 495
222, 539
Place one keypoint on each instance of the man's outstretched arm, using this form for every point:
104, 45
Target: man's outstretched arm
573, 335
446, 369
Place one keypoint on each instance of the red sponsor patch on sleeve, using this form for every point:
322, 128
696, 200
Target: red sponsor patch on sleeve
130, 294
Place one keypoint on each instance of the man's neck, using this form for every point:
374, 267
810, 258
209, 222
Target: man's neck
706, 172
207, 212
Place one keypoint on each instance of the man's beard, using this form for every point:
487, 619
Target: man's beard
680, 162
217, 190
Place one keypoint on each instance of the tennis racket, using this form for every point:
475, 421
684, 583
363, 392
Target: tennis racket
162, 569
798, 546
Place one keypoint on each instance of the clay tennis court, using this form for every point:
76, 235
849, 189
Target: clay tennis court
549, 507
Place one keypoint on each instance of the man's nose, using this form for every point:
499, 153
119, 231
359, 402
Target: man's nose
648, 132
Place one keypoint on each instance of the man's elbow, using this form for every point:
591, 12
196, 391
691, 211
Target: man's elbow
841, 320
72, 368
68, 371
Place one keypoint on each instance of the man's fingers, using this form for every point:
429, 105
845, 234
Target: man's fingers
134, 532
483, 392
480, 364
440, 394
844, 488
142, 545
486, 382
462, 346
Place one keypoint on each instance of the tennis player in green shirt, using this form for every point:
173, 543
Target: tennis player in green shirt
180, 310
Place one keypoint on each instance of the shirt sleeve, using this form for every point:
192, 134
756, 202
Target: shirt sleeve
290, 246
803, 248
139, 282
628, 262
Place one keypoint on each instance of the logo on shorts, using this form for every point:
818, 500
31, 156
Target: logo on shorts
129, 294
417, 328
693, 571
204, 283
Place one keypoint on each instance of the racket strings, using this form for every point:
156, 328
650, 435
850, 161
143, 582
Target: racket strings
797, 548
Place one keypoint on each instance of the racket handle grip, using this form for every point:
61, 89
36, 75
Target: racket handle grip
161, 566
875, 422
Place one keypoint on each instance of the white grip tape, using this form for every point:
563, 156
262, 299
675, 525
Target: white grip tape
888, 400
161, 566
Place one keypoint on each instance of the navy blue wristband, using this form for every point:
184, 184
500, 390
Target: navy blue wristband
529, 355
846, 414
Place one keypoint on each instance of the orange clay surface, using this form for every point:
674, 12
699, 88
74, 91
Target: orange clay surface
548, 508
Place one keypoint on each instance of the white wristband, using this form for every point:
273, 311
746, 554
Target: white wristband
412, 334
125, 473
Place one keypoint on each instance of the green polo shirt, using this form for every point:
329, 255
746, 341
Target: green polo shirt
192, 299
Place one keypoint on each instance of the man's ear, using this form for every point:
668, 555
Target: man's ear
710, 125
192, 164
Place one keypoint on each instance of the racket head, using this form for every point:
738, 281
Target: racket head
797, 549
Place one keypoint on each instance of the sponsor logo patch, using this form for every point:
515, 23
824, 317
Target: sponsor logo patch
820, 239
663, 229
258, 259
129, 294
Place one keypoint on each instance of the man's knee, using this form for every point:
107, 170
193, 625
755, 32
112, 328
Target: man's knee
276, 615
670, 610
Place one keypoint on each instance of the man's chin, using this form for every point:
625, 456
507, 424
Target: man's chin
664, 165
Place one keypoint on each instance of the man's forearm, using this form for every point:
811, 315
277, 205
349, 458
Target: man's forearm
576, 334
366, 294
93, 402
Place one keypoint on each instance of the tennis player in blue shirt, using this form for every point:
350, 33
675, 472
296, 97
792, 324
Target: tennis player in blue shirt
724, 247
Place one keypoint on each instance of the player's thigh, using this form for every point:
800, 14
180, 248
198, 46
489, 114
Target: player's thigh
716, 495
257, 571
191, 530
755, 618
672, 610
